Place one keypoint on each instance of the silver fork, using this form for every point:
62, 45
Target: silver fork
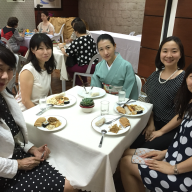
113, 120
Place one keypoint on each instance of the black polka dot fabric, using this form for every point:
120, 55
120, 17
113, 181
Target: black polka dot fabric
42, 178
8, 118
83, 48
162, 95
179, 151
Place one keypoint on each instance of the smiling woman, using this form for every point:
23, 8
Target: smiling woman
35, 77
113, 70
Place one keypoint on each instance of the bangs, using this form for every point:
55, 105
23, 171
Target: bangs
7, 57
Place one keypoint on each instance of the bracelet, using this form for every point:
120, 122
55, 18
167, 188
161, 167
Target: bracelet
176, 172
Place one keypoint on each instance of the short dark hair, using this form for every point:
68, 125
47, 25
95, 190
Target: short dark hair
12, 21
7, 57
35, 42
184, 96
47, 14
181, 62
80, 27
105, 37
75, 21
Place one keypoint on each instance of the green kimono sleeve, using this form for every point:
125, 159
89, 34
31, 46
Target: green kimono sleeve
95, 79
130, 84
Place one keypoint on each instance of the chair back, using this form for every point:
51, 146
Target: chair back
7, 43
139, 84
57, 36
97, 56
61, 30
132, 33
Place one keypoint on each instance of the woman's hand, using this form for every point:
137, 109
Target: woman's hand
67, 40
157, 155
155, 134
35, 30
28, 163
147, 131
60, 45
37, 152
160, 166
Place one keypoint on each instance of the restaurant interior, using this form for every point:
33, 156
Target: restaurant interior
95, 113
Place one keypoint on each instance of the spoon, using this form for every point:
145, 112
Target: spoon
103, 134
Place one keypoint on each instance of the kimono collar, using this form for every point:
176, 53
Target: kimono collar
116, 53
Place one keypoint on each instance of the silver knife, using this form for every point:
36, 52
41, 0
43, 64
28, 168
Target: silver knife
43, 110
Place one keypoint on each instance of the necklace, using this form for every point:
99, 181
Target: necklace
167, 79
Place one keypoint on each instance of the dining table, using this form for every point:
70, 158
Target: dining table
27, 39
75, 150
128, 46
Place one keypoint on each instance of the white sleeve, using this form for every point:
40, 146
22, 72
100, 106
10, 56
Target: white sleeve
8, 167
28, 146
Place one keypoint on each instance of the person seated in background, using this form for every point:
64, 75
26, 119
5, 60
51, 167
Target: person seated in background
10, 33
22, 167
113, 70
161, 88
167, 170
35, 77
73, 35
80, 52
45, 26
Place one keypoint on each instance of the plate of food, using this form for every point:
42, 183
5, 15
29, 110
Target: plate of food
50, 123
61, 100
93, 93
117, 127
133, 110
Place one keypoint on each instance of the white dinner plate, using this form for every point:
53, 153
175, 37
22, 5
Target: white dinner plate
72, 100
60, 118
135, 103
106, 127
82, 93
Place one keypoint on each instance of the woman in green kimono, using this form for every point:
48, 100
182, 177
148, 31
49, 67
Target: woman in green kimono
113, 71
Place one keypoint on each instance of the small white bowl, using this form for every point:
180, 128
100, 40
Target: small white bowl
87, 109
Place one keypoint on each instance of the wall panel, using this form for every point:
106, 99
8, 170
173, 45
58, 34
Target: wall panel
183, 30
155, 7
184, 9
151, 32
146, 62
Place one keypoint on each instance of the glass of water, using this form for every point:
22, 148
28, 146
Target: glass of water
121, 96
43, 102
104, 108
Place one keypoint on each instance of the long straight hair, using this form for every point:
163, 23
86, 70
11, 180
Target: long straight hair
35, 42
184, 96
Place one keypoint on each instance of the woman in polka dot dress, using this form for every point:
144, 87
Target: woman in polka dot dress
168, 170
22, 166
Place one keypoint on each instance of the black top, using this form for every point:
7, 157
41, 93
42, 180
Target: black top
83, 48
162, 95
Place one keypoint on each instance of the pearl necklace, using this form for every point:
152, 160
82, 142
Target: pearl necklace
167, 79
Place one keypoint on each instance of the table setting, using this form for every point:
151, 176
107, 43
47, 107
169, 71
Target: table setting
86, 146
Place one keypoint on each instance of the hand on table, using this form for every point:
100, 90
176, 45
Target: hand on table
155, 134
147, 131
157, 155
160, 166
67, 41
60, 45
28, 163
37, 152
35, 30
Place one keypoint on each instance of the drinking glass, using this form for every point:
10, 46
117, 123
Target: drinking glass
43, 102
121, 96
104, 108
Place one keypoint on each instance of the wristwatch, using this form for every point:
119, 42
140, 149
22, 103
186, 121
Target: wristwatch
176, 172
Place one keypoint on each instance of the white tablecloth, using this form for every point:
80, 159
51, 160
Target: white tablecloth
74, 149
128, 46
27, 40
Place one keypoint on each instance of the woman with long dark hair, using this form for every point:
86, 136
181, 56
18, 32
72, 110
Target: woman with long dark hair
22, 167
167, 170
161, 88
35, 77
45, 26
